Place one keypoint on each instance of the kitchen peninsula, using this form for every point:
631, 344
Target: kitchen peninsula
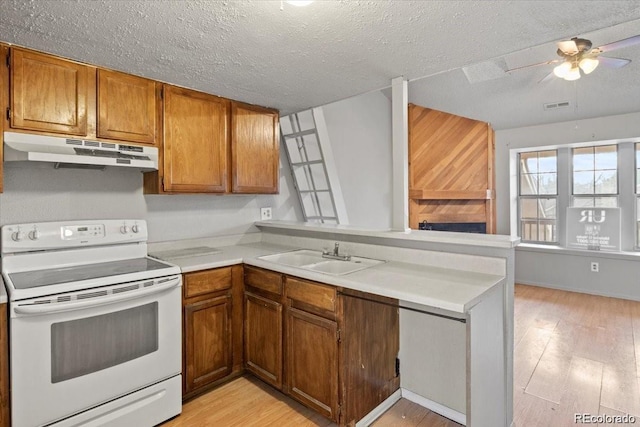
454, 293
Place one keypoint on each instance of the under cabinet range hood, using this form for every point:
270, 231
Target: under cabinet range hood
77, 153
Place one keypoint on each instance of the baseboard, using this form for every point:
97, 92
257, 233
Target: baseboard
380, 409
445, 411
577, 290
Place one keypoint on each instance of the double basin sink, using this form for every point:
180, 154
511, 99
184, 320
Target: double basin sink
314, 261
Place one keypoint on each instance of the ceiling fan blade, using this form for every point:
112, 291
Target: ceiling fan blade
568, 47
613, 62
631, 41
548, 77
553, 61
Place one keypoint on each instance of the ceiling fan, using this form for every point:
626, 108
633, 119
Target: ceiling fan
577, 57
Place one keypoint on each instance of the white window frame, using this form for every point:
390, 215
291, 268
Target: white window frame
628, 194
594, 195
537, 197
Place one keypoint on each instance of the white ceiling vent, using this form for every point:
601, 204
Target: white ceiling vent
485, 71
555, 105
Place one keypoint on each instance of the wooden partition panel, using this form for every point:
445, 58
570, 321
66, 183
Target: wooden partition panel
450, 169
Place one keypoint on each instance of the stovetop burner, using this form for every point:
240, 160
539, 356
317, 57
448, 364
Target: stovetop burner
56, 276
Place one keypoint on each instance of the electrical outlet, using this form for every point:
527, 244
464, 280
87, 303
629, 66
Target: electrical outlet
595, 267
265, 214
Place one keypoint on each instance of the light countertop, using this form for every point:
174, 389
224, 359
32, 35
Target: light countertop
439, 288
466, 239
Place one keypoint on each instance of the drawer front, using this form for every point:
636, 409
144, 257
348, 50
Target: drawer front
314, 294
265, 280
203, 282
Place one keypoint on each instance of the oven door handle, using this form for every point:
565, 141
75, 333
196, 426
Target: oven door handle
35, 309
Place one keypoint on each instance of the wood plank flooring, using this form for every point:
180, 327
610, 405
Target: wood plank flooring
574, 353
247, 401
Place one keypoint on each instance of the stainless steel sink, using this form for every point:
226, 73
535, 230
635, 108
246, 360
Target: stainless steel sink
314, 261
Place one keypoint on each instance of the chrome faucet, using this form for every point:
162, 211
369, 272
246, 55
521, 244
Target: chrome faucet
335, 254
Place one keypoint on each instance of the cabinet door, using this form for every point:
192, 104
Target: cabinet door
48, 94
126, 107
195, 141
254, 149
208, 345
312, 361
263, 338
4, 100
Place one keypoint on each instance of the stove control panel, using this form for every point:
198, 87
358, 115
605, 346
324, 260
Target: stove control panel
82, 231
70, 234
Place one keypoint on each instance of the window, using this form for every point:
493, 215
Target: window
562, 190
595, 176
538, 190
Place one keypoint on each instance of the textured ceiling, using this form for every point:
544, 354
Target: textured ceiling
295, 58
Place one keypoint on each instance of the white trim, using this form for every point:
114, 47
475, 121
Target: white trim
435, 407
615, 141
554, 249
400, 154
579, 290
380, 409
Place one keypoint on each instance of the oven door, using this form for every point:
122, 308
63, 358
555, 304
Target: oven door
69, 357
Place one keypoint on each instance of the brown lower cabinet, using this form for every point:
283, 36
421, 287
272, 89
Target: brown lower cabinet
332, 349
212, 328
340, 347
312, 362
263, 335
263, 325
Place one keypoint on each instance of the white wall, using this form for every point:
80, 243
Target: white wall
565, 269
36, 192
360, 133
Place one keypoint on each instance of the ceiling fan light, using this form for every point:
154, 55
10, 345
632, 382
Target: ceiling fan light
588, 64
562, 70
573, 74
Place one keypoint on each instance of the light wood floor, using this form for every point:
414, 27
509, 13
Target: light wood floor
574, 353
247, 401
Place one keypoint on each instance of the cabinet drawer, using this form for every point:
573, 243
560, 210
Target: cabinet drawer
265, 280
203, 282
317, 295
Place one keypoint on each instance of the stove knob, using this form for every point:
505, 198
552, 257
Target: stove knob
17, 236
34, 234
124, 229
134, 228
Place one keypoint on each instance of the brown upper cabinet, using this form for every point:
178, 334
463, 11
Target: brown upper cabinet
207, 144
55, 95
126, 107
4, 100
48, 94
202, 155
254, 149
195, 141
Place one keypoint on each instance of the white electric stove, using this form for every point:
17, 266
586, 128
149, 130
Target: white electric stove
95, 325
